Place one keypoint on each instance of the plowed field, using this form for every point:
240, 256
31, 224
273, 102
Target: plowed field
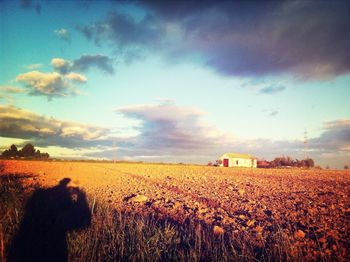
309, 209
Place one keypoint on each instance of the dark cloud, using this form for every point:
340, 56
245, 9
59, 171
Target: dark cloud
101, 62
306, 39
130, 38
85, 62
29, 4
336, 137
272, 89
44, 131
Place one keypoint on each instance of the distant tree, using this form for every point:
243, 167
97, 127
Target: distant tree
6, 153
28, 150
218, 162
311, 162
284, 161
308, 162
37, 154
45, 156
13, 151
327, 167
346, 167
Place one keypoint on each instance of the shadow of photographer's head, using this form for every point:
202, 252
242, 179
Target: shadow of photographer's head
64, 182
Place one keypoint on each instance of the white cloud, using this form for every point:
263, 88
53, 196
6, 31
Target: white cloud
50, 84
76, 77
63, 34
34, 66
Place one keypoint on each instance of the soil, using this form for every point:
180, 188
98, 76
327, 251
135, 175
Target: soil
309, 208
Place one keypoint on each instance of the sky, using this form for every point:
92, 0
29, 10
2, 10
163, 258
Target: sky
176, 81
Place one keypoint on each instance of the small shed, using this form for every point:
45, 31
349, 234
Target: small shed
238, 160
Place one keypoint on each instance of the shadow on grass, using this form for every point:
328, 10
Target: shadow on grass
48, 216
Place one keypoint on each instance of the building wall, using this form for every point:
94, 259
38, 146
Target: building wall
240, 162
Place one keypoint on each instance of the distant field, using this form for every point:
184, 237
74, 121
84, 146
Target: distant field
200, 212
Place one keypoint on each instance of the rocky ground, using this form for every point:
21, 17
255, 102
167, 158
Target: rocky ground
306, 209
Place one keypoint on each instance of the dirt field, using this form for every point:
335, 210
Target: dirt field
309, 208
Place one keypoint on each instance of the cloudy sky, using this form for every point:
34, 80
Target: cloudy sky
180, 81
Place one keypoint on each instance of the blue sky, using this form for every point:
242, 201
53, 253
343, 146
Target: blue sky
180, 82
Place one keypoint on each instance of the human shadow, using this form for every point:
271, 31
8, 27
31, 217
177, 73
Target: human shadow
49, 215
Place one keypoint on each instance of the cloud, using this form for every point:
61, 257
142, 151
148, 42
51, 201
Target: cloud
272, 89
76, 77
34, 66
61, 65
63, 34
47, 84
12, 89
273, 113
305, 39
167, 132
169, 127
101, 62
29, 4
84, 63
60, 83
336, 136
44, 131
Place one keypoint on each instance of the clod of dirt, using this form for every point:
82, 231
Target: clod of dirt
241, 192
250, 223
299, 234
138, 199
218, 231
259, 229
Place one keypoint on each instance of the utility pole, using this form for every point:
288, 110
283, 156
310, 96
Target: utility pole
114, 151
305, 145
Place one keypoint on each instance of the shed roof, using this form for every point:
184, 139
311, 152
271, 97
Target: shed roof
237, 155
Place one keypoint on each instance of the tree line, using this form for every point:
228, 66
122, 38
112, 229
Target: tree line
286, 161
27, 151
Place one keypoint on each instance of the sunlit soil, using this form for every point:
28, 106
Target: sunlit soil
306, 212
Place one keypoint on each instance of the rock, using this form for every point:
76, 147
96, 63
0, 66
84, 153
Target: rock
299, 234
138, 199
218, 231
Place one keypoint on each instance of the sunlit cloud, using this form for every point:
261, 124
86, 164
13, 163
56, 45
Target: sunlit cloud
47, 131
12, 89
47, 84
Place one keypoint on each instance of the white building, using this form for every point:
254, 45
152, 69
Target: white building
238, 160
